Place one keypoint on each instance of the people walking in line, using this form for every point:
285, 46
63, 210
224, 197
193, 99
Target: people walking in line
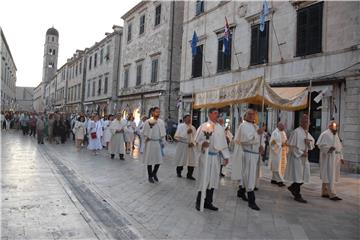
79, 132
154, 133
249, 137
277, 156
185, 149
298, 166
331, 156
117, 142
107, 133
210, 135
95, 133
130, 133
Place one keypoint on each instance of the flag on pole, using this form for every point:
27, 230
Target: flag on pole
194, 42
226, 41
264, 13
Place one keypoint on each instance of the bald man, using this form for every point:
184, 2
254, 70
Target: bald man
298, 166
248, 137
331, 156
277, 157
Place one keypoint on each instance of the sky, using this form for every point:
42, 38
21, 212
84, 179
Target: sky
80, 24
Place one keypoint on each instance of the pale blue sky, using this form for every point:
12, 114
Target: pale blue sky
80, 23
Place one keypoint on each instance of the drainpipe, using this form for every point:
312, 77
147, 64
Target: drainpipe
171, 53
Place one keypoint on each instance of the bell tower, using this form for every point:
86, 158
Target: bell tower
51, 51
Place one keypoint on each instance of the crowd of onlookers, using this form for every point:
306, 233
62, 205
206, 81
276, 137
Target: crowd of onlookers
59, 127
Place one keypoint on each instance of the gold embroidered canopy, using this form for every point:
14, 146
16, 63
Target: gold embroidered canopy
253, 91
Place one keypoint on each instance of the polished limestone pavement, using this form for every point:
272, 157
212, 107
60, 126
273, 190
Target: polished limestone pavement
57, 192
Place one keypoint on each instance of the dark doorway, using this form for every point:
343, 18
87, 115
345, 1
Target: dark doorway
315, 124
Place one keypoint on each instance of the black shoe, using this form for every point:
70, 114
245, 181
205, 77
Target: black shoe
151, 180
198, 200
292, 190
222, 175
274, 182
179, 175
336, 198
121, 156
325, 196
281, 184
112, 156
191, 178
155, 178
251, 202
241, 194
210, 207
300, 199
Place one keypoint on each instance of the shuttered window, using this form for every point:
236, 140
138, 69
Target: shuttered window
154, 70
197, 62
259, 44
224, 60
309, 30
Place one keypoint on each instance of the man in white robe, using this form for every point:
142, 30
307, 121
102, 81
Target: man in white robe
249, 137
331, 156
216, 144
95, 133
154, 133
117, 141
277, 144
298, 166
185, 148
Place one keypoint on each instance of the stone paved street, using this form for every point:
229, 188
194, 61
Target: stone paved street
56, 192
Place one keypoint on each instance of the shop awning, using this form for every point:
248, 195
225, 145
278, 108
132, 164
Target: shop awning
253, 91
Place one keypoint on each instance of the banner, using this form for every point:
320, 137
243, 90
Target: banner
253, 91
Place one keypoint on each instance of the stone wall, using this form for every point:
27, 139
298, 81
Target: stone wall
351, 138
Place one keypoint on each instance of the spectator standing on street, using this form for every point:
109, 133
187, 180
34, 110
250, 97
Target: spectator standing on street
154, 133
24, 122
32, 125
40, 126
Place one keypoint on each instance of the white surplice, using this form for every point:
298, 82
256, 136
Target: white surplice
218, 144
185, 155
154, 141
298, 166
277, 141
250, 143
330, 162
117, 141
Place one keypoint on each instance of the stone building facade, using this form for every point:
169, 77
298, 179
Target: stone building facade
102, 73
150, 63
301, 41
24, 99
75, 75
38, 103
60, 80
7, 74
